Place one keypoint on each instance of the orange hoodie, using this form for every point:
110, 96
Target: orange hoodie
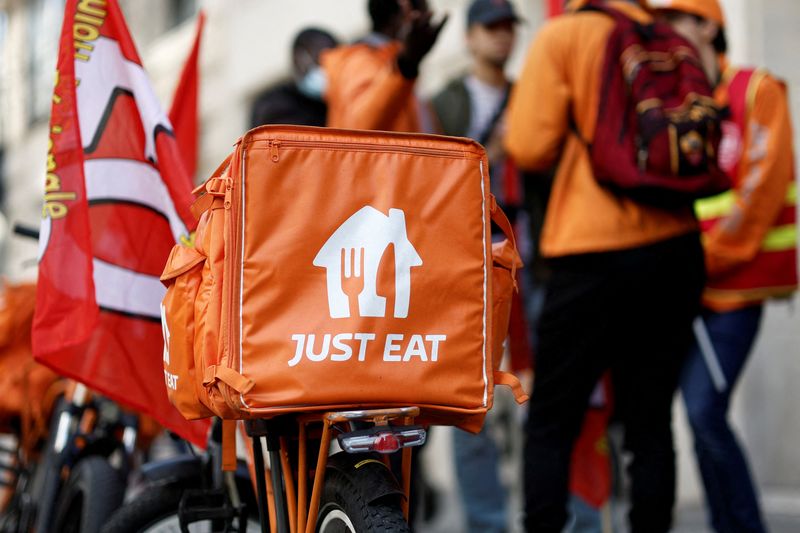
561, 79
366, 90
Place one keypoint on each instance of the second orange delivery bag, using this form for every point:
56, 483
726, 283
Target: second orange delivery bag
339, 269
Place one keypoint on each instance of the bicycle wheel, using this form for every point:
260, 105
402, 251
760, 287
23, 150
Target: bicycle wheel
156, 511
343, 509
92, 493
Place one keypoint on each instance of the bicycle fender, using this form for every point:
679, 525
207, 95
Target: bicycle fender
368, 474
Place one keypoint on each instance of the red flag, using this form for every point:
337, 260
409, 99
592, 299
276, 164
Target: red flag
183, 113
590, 477
555, 7
117, 197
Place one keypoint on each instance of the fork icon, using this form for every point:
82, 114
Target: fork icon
352, 259
352, 280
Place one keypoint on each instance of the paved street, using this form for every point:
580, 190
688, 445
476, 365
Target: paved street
783, 509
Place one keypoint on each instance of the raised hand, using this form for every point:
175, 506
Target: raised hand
418, 41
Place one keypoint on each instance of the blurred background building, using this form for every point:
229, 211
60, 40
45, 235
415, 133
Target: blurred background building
246, 50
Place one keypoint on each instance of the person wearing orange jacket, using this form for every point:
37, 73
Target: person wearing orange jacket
370, 84
749, 238
625, 285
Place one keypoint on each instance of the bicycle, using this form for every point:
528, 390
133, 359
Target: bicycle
356, 489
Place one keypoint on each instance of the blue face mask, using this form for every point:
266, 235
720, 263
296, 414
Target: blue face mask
314, 83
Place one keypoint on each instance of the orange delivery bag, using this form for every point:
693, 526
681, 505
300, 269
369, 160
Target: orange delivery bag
341, 269
30, 390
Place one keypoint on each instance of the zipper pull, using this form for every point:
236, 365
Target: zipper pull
273, 151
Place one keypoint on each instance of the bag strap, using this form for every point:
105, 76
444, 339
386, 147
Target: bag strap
511, 381
229, 377
501, 220
210, 189
483, 138
229, 445
741, 93
742, 90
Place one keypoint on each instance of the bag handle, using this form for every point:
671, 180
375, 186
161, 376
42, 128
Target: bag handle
511, 381
499, 217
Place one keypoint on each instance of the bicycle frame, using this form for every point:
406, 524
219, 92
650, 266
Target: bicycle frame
82, 429
295, 513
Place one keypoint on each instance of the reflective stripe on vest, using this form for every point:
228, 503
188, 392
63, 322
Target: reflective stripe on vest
773, 272
778, 238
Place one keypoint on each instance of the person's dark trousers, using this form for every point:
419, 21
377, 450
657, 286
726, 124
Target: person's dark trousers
630, 311
730, 492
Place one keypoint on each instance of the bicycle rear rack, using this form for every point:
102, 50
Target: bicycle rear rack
294, 513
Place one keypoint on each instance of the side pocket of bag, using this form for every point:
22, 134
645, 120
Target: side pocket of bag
505, 262
182, 275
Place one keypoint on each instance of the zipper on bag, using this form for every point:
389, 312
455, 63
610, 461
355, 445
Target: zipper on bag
275, 145
234, 197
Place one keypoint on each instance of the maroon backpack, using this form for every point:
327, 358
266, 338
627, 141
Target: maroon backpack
658, 127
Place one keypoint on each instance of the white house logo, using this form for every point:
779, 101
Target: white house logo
352, 256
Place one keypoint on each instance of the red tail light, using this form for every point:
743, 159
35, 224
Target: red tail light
382, 439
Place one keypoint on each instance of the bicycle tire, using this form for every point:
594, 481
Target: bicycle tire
344, 510
92, 493
156, 511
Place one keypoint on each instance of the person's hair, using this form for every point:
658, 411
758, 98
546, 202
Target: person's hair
720, 42
382, 12
308, 37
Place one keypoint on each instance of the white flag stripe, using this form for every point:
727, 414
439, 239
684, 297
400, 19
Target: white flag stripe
133, 181
126, 291
109, 70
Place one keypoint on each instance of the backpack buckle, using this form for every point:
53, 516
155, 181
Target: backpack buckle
218, 186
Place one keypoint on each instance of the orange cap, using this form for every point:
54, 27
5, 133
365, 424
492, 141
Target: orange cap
708, 9
574, 5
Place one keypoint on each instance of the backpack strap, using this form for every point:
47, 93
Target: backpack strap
489, 129
210, 190
742, 90
229, 445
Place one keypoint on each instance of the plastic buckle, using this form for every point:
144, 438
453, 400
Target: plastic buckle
218, 186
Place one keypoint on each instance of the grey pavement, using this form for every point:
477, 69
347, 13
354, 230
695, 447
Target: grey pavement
782, 508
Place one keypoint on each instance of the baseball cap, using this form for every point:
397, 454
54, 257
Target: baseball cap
708, 9
487, 12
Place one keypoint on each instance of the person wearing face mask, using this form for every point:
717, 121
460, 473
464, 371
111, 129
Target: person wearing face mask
299, 101
749, 238
371, 83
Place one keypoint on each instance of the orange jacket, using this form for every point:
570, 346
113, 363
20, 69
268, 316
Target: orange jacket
561, 79
745, 217
366, 90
